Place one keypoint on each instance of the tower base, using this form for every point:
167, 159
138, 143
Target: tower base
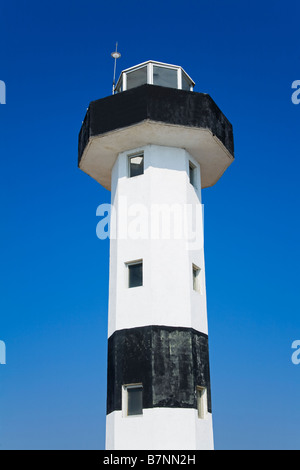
162, 429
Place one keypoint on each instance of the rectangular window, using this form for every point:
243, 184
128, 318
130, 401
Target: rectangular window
192, 174
136, 165
164, 76
136, 78
133, 400
196, 279
202, 402
135, 274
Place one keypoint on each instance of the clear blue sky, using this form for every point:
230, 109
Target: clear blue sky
55, 59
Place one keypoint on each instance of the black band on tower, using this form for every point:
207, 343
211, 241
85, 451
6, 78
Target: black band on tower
158, 104
170, 362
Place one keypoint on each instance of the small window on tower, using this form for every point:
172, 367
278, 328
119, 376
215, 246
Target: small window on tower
201, 402
132, 400
192, 174
136, 165
135, 274
196, 278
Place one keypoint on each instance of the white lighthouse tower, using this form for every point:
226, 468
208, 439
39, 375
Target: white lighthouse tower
155, 144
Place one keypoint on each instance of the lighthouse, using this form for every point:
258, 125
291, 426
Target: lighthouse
155, 143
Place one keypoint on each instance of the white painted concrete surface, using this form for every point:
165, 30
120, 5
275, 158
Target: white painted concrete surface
167, 296
159, 429
101, 151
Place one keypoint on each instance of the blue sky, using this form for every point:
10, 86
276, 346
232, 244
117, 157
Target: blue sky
55, 59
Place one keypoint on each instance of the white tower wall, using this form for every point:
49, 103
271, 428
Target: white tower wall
167, 296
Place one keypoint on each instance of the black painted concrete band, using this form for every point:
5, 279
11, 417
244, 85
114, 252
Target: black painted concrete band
158, 104
169, 362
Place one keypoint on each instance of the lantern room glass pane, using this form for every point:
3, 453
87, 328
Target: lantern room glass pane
163, 76
136, 78
185, 82
119, 88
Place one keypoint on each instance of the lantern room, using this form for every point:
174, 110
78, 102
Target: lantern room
154, 73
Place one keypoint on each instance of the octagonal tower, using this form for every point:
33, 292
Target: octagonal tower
154, 144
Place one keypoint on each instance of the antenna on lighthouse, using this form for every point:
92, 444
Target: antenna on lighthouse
116, 55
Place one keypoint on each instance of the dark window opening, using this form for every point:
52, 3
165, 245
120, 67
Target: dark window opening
134, 400
135, 274
192, 172
202, 402
196, 279
136, 165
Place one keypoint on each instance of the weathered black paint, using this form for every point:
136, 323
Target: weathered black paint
169, 362
155, 103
